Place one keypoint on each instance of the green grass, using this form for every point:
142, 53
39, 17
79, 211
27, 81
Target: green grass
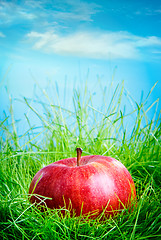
106, 129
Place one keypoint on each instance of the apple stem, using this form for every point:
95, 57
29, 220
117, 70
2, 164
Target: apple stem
79, 152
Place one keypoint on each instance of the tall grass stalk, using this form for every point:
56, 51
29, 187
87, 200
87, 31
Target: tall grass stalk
104, 130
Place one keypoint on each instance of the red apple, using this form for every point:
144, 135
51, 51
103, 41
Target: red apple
87, 184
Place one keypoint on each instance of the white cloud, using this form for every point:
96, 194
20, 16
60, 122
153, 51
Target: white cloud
158, 11
26, 15
2, 35
100, 45
79, 10
46, 12
148, 11
157, 52
149, 41
65, 9
11, 12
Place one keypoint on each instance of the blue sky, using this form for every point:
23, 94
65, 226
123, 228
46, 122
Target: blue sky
54, 40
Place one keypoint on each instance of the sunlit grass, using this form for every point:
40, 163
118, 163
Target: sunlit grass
109, 129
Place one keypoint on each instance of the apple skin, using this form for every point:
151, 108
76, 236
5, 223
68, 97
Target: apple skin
100, 182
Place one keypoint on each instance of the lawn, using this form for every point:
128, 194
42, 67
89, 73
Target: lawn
111, 129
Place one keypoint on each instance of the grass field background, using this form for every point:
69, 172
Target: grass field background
112, 129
